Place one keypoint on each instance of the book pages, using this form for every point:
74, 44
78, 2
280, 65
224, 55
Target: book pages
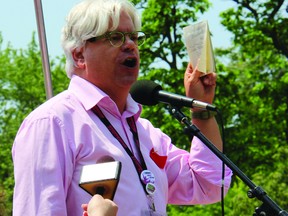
199, 46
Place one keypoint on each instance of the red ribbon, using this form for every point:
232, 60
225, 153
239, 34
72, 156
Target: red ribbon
158, 159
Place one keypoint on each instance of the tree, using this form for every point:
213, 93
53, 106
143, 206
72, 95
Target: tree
2, 201
21, 91
252, 88
261, 23
251, 92
257, 114
163, 56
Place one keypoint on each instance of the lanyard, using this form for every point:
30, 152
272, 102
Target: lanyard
140, 166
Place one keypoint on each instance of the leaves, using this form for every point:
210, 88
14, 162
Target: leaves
251, 93
22, 90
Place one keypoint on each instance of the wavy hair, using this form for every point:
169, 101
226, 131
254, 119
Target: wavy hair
91, 18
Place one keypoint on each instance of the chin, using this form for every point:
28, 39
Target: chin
128, 81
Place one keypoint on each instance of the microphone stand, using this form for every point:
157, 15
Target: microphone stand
269, 207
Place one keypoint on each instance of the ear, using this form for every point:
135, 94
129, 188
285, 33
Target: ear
78, 57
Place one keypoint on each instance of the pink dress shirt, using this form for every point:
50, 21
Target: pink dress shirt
63, 134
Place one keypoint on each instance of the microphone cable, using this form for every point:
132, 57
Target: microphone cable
219, 117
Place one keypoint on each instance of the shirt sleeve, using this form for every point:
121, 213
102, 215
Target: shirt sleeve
41, 168
195, 177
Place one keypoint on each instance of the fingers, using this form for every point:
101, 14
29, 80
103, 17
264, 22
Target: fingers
101, 206
192, 71
209, 79
191, 76
199, 85
84, 207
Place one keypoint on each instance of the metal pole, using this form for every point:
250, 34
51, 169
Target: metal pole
43, 47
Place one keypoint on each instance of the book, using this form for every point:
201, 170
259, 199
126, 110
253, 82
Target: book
199, 47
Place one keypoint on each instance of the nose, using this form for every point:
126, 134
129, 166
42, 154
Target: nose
129, 43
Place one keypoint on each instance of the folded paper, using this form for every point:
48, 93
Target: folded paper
199, 46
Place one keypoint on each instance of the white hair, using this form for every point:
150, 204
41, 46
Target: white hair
91, 18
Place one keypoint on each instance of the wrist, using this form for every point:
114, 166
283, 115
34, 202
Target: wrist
203, 114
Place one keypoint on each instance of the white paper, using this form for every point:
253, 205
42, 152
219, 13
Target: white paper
199, 46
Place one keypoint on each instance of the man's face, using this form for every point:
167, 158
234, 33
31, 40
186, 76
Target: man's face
110, 68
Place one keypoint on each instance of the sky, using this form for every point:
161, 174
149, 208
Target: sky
18, 21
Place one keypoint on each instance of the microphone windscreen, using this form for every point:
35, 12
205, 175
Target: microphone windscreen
143, 92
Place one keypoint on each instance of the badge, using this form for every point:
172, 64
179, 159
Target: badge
150, 188
147, 177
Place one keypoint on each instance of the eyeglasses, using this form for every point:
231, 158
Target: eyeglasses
118, 38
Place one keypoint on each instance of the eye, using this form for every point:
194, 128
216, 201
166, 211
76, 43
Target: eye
140, 38
115, 37
134, 37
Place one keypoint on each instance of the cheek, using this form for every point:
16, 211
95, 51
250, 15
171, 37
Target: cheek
98, 59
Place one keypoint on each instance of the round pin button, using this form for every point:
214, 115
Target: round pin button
150, 188
147, 177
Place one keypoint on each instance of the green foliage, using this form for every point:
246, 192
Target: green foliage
22, 90
163, 56
18, 93
251, 94
255, 84
258, 24
164, 20
5, 209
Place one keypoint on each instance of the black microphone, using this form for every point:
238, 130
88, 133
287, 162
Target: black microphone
149, 93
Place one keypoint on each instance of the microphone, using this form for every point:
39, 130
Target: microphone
101, 178
149, 93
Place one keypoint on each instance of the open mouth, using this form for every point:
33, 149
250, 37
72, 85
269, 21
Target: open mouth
130, 62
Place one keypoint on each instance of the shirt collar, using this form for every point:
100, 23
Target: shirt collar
90, 95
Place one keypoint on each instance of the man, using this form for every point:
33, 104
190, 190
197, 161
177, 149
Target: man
96, 118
